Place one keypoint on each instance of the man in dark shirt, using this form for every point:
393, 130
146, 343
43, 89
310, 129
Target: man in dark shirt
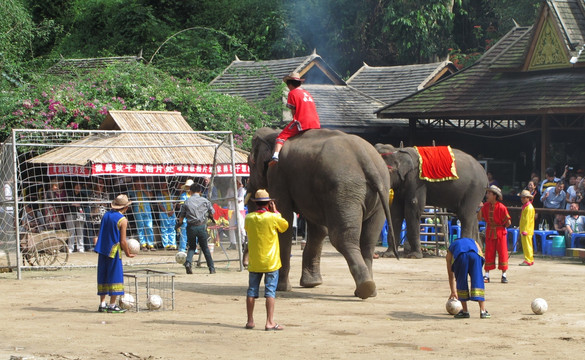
196, 210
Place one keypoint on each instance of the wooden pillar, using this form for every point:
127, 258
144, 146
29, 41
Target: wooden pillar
544, 142
411, 131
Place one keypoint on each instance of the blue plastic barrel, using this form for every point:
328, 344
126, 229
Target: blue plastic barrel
558, 246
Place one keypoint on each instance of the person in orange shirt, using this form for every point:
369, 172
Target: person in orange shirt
497, 219
304, 113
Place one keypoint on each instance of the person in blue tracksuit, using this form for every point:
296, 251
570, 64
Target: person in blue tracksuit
167, 217
142, 211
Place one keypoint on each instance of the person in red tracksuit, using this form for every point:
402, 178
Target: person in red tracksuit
497, 219
304, 112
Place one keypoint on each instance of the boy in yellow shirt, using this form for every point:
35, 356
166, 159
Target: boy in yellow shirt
262, 227
527, 227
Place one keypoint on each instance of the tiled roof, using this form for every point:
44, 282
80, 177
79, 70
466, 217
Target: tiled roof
343, 107
498, 85
255, 80
392, 83
73, 66
571, 17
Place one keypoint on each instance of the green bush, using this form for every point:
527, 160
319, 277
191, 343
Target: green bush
82, 102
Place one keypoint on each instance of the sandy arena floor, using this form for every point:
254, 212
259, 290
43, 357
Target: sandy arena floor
52, 315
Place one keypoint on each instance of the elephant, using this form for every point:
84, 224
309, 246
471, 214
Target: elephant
462, 196
339, 184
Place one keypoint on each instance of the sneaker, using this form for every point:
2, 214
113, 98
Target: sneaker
461, 315
485, 315
188, 270
504, 280
103, 308
151, 248
273, 161
486, 279
116, 310
143, 248
526, 263
232, 247
212, 271
173, 247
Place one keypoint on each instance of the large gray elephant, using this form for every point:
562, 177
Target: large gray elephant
411, 194
339, 183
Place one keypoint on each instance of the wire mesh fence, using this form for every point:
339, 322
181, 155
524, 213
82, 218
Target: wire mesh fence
58, 184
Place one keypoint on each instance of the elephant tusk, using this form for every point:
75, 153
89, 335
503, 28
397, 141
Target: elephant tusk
247, 198
390, 196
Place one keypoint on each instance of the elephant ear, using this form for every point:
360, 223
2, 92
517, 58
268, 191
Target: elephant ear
405, 163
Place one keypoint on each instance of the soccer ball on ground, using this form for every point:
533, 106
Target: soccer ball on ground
539, 306
154, 302
181, 257
453, 306
133, 246
127, 301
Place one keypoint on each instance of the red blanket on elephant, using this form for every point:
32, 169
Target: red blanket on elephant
437, 163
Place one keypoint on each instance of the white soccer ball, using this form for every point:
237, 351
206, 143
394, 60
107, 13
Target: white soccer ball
133, 246
154, 302
539, 306
127, 301
181, 257
453, 306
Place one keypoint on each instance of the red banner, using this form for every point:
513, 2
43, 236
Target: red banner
167, 170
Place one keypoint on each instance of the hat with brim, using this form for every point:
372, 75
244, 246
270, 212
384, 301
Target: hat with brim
120, 202
293, 76
261, 195
187, 185
496, 190
526, 194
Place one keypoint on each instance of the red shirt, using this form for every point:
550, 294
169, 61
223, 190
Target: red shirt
305, 111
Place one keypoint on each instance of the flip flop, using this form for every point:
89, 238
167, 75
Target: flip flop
249, 326
275, 328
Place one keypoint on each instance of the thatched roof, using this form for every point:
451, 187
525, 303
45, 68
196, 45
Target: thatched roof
147, 138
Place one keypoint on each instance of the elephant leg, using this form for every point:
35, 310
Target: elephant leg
413, 210
311, 274
347, 241
369, 237
469, 224
285, 248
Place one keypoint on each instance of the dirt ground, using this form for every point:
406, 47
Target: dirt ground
52, 315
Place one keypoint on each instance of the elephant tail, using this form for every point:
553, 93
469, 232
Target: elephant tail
386, 205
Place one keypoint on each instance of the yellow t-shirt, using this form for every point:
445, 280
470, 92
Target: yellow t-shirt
263, 247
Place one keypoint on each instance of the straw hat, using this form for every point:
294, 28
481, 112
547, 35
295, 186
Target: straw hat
293, 76
527, 194
262, 195
120, 202
187, 184
496, 190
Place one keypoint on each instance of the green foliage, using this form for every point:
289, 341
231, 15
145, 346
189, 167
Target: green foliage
83, 101
421, 29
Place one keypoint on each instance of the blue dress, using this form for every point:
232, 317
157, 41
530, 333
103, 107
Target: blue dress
110, 273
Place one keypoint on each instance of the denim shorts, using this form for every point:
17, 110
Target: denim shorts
270, 283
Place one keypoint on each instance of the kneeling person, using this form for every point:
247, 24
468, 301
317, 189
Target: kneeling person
262, 227
464, 258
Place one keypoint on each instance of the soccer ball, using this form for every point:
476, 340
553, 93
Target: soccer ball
127, 301
539, 306
154, 302
453, 306
180, 257
133, 246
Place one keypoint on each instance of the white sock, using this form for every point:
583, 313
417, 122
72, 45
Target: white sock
503, 274
103, 304
487, 274
275, 155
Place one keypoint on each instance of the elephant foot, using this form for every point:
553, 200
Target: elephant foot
308, 280
366, 289
283, 285
414, 255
